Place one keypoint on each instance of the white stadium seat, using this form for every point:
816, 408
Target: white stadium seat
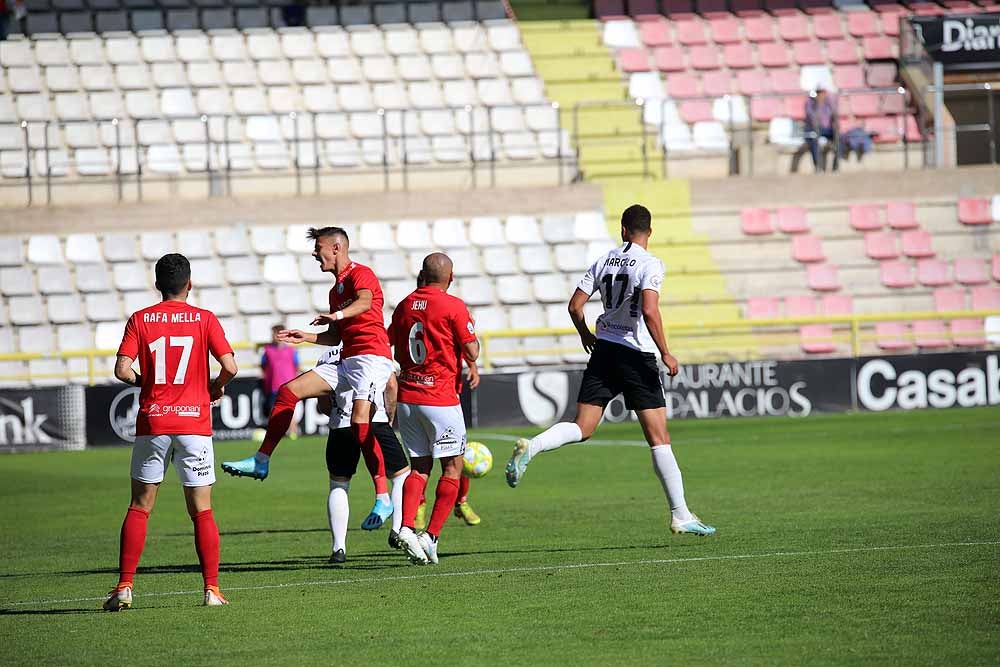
376, 236
486, 231
45, 249
514, 290
413, 235
391, 265
37, 339
535, 259
291, 298
108, 335
231, 241
17, 281
243, 270
206, 273
254, 300
54, 280
26, 310
478, 291
130, 276
92, 277
154, 245
218, 300
280, 270
71, 337
571, 257
194, 243
589, 226
466, 262
522, 230
11, 251
449, 233
550, 288
133, 301
500, 260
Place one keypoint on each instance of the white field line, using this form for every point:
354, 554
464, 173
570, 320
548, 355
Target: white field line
540, 568
514, 438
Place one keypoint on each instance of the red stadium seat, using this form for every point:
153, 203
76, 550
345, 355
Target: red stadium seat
996, 267
828, 26
738, 56
865, 217
633, 60
974, 211
759, 28
773, 54
842, 52
890, 24
807, 248
808, 53
795, 107
917, 244
655, 33
752, 82
800, 305
892, 103
606, 9
817, 338
683, 85
669, 59
892, 336
986, 298
848, 77
694, 111
863, 24
881, 245
913, 133
967, 332
725, 30
792, 220
879, 48
703, 57
837, 304
691, 32
897, 274
763, 308
863, 104
763, 109
785, 81
822, 277
793, 27
756, 221
901, 215
933, 273
884, 130
881, 75
930, 334
971, 271
948, 299
717, 83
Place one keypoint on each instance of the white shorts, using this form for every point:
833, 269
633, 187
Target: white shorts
343, 395
431, 430
193, 456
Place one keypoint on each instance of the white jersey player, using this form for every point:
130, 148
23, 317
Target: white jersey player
623, 361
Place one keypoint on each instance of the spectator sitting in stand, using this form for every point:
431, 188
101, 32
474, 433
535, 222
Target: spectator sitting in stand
821, 123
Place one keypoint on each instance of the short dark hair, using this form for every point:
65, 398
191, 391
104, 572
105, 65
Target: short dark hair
636, 219
173, 272
277, 327
315, 233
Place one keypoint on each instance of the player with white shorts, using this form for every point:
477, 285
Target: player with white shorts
192, 455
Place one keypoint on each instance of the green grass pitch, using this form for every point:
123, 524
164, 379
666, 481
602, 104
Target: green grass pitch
842, 540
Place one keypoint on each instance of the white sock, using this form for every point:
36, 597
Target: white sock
338, 511
666, 469
397, 500
558, 435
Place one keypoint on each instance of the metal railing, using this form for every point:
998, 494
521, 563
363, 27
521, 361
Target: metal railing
302, 145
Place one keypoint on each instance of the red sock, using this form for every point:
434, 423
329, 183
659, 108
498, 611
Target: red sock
463, 489
133, 539
444, 501
280, 419
206, 543
373, 456
413, 492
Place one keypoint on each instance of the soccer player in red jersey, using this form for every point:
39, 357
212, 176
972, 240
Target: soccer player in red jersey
355, 318
172, 341
432, 332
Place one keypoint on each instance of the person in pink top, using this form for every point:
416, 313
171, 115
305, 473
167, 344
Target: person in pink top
279, 364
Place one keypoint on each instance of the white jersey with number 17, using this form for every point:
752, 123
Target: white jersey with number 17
621, 276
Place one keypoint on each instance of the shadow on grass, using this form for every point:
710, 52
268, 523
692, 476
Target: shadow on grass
48, 612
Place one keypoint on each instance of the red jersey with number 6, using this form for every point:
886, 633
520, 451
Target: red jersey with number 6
172, 341
365, 333
428, 330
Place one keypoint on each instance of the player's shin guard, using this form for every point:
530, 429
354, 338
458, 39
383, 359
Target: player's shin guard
206, 542
463, 489
133, 539
280, 419
444, 501
372, 452
413, 491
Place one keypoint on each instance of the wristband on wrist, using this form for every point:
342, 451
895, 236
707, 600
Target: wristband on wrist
339, 315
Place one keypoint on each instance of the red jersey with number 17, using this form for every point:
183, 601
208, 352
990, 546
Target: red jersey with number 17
365, 333
428, 330
172, 341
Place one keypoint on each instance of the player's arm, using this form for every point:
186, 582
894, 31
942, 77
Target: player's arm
651, 316
225, 376
328, 338
360, 306
575, 308
124, 371
472, 377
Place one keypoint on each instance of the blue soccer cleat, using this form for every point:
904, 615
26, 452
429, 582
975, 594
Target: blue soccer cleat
380, 512
253, 467
518, 463
693, 526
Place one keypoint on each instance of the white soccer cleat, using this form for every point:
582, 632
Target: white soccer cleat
411, 546
118, 599
213, 597
430, 547
693, 526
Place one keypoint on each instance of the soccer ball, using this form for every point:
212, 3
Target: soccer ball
478, 460
258, 435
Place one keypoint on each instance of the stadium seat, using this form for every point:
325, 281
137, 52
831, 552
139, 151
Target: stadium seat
763, 308
513, 290
986, 298
822, 277
54, 279
36, 339
881, 245
971, 271
995, 208
901, 215
807, 248
390, 264
104, 307
45, 249
72, 337
500, 260
254, 300
550, 288
893, 336
865, 217
655, 33
281, 270
466, 262
26, 310
12, 251
931, 334
756, 221
17, 281
917, 243
231, 241
933, 273
974, 211
478, 291
242, 270
792, 220
896, 274
690, 32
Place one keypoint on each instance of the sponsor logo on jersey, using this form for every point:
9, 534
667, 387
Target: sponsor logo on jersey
619, 261
471, 327
543, 396
154, 410
340, 288
416, 378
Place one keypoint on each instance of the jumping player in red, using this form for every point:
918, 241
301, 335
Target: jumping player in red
432, 332
172, 341
355, 318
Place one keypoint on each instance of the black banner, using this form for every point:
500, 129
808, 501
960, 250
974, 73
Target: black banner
928, 381
111, 411
962, 41
42, 418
